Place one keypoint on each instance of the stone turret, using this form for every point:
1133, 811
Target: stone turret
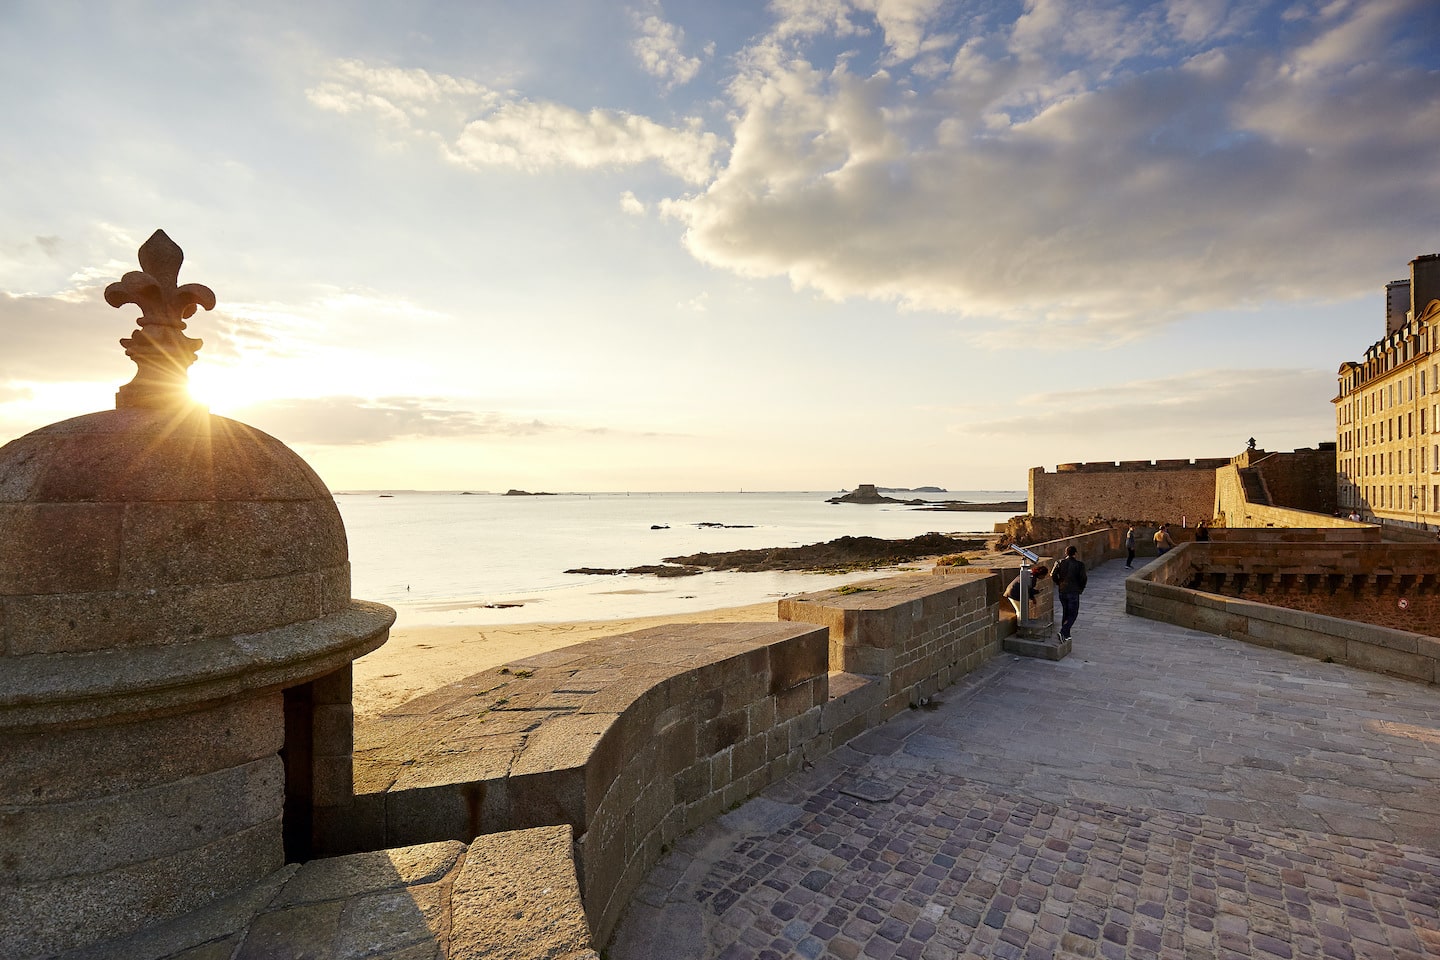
176, 634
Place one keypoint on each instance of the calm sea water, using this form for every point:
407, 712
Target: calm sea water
443, 557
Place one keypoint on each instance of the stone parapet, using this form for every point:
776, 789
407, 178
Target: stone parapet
631, 740
915, 634
1318, 600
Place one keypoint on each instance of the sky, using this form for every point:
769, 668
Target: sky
804, 244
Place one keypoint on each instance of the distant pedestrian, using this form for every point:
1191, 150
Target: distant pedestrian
1163, 541
1130, 547
1202, 532
1070, 580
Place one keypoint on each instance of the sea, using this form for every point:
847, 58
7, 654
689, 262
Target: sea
484, 558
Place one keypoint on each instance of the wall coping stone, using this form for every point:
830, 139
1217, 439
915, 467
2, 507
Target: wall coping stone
58, 688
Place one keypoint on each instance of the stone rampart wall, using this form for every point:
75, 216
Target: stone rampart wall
1302, 479
1352, 580
1162, 491
1232, 506
635, 739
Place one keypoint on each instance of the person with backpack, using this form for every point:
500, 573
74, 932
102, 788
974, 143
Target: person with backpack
1070, 579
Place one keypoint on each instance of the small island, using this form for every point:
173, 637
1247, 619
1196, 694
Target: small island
512, 492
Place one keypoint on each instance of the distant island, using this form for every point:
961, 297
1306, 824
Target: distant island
869, 493
912, 489
525, 493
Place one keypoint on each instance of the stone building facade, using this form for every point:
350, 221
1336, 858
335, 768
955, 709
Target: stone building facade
1387, 445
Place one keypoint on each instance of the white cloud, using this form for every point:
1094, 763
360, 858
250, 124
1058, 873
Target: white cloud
1262, 401
1047, 188
903, 23
659, 48
631, 204
343, 421
478, 127
538, 136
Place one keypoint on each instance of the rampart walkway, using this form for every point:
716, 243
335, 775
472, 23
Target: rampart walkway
1161, 792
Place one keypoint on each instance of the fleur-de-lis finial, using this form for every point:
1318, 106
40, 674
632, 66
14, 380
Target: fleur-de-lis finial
159, 348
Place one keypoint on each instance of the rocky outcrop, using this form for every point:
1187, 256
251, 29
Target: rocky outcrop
845, 553
866, 493
659, 570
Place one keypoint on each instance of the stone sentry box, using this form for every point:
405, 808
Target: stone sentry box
176, 633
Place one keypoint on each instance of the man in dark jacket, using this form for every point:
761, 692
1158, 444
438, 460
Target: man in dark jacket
1070, 579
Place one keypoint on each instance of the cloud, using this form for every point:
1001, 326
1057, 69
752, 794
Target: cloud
63, 338
536, 136
343, 421
903, 23
1096, 169
1261, 401
474, 126
659, 48
631, 204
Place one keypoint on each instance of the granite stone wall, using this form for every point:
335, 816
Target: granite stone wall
1164, 491
1304, 598
635, 739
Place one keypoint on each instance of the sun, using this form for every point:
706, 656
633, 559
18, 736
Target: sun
227, 389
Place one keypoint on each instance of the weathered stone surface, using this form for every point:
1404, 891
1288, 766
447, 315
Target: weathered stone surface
382, 922
198, 934
126, 828
41, 767
363, 873
516, 898
45, 918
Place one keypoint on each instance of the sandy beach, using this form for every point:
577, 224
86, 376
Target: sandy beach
419, 659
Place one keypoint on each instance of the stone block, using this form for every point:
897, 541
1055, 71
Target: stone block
49, 917
59, 547
804, 728
1369, 656
796, 660
332, 781
337, 687
555, 796
305, 931
80, 622
141, 825
723, 732
224, 542
342, 878
693, 782
749, 755
719, 770
705, 809
677, 749
430, 814
80, 763
334, 730
760, 715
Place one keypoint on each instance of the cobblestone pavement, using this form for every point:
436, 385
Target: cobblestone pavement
1159, 793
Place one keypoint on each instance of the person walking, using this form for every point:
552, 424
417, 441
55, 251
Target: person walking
1070, 579
1163, 540
1130, 547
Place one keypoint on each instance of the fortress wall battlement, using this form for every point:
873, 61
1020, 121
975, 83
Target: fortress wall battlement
1123, 466
1156, 490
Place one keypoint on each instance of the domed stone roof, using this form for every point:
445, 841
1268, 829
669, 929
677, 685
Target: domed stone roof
158, 553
